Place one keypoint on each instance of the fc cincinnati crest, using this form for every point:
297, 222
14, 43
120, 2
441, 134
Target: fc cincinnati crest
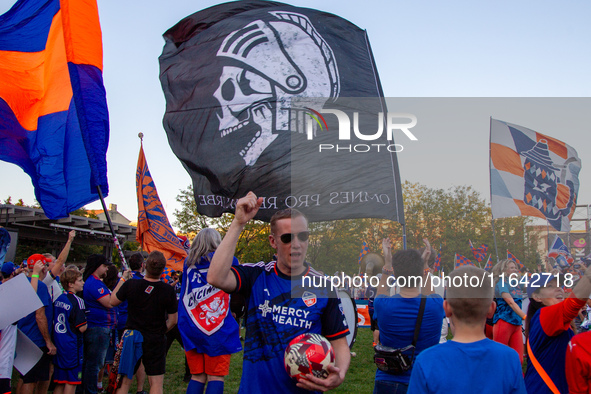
544, 189
309, 298
269, 63
208, 311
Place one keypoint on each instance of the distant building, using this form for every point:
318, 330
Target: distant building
116, 217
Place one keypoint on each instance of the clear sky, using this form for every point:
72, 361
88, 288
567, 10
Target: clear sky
422, 49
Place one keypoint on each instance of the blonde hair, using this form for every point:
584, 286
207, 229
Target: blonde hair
500, 268
205, 242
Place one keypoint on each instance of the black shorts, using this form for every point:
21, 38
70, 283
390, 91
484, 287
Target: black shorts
40, 372
5, 386
154, 354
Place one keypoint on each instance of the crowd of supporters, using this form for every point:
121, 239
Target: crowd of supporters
99, 322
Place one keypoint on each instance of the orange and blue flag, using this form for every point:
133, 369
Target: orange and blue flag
54, 121
488, 265
532, 174
460, 261
560, 253
364, 251
511, 256
154, 231
479, 252
437, 264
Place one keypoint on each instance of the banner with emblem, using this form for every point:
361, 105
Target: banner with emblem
560, 253
532, 174
283, 101
154, 231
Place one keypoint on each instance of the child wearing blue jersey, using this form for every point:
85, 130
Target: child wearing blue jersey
477, 364
69, 322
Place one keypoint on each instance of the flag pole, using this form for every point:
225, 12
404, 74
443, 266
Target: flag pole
404, 237
115, 240
141, 137
492, 221
393, 157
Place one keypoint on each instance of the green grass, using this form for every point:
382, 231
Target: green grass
360, 377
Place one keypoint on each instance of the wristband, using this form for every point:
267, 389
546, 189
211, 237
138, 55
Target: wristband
388, 271
122, 278
426, 271
35, 276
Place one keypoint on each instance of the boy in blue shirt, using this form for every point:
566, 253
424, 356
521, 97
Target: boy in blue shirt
469, 362
69, 322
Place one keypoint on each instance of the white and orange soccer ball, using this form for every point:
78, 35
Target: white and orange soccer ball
308, 354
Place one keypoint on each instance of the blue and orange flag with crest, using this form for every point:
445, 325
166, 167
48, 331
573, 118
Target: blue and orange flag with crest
154, 231
54, 121
532, 174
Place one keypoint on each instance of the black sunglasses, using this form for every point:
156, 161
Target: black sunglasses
287, 237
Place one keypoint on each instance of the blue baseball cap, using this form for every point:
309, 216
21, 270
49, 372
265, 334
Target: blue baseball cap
8, 268
535, 285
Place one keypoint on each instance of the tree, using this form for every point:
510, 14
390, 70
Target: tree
187, 219
447, 217
253, 244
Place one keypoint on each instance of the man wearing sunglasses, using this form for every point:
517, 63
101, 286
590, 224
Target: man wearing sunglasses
278, 307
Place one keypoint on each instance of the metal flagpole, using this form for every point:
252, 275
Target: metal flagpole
115, 240
404, 236
492, 217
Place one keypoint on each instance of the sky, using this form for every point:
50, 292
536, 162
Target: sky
423, 49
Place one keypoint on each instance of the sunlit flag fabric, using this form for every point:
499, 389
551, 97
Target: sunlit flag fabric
154, 232
364, 251
511, 256
479, 252
54, 121
460, 261
532, 174
560, 253
247, 86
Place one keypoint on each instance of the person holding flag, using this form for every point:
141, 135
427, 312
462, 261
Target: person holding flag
508, 316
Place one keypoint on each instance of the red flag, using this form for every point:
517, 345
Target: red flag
153, 229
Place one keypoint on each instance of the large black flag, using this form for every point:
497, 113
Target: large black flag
283, 101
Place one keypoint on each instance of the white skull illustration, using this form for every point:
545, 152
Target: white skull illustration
246, 97
272, 63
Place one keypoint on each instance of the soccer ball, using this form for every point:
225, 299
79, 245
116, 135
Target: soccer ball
308, 354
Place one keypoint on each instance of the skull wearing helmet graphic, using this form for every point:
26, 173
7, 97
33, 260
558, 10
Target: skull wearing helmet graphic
269, 64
